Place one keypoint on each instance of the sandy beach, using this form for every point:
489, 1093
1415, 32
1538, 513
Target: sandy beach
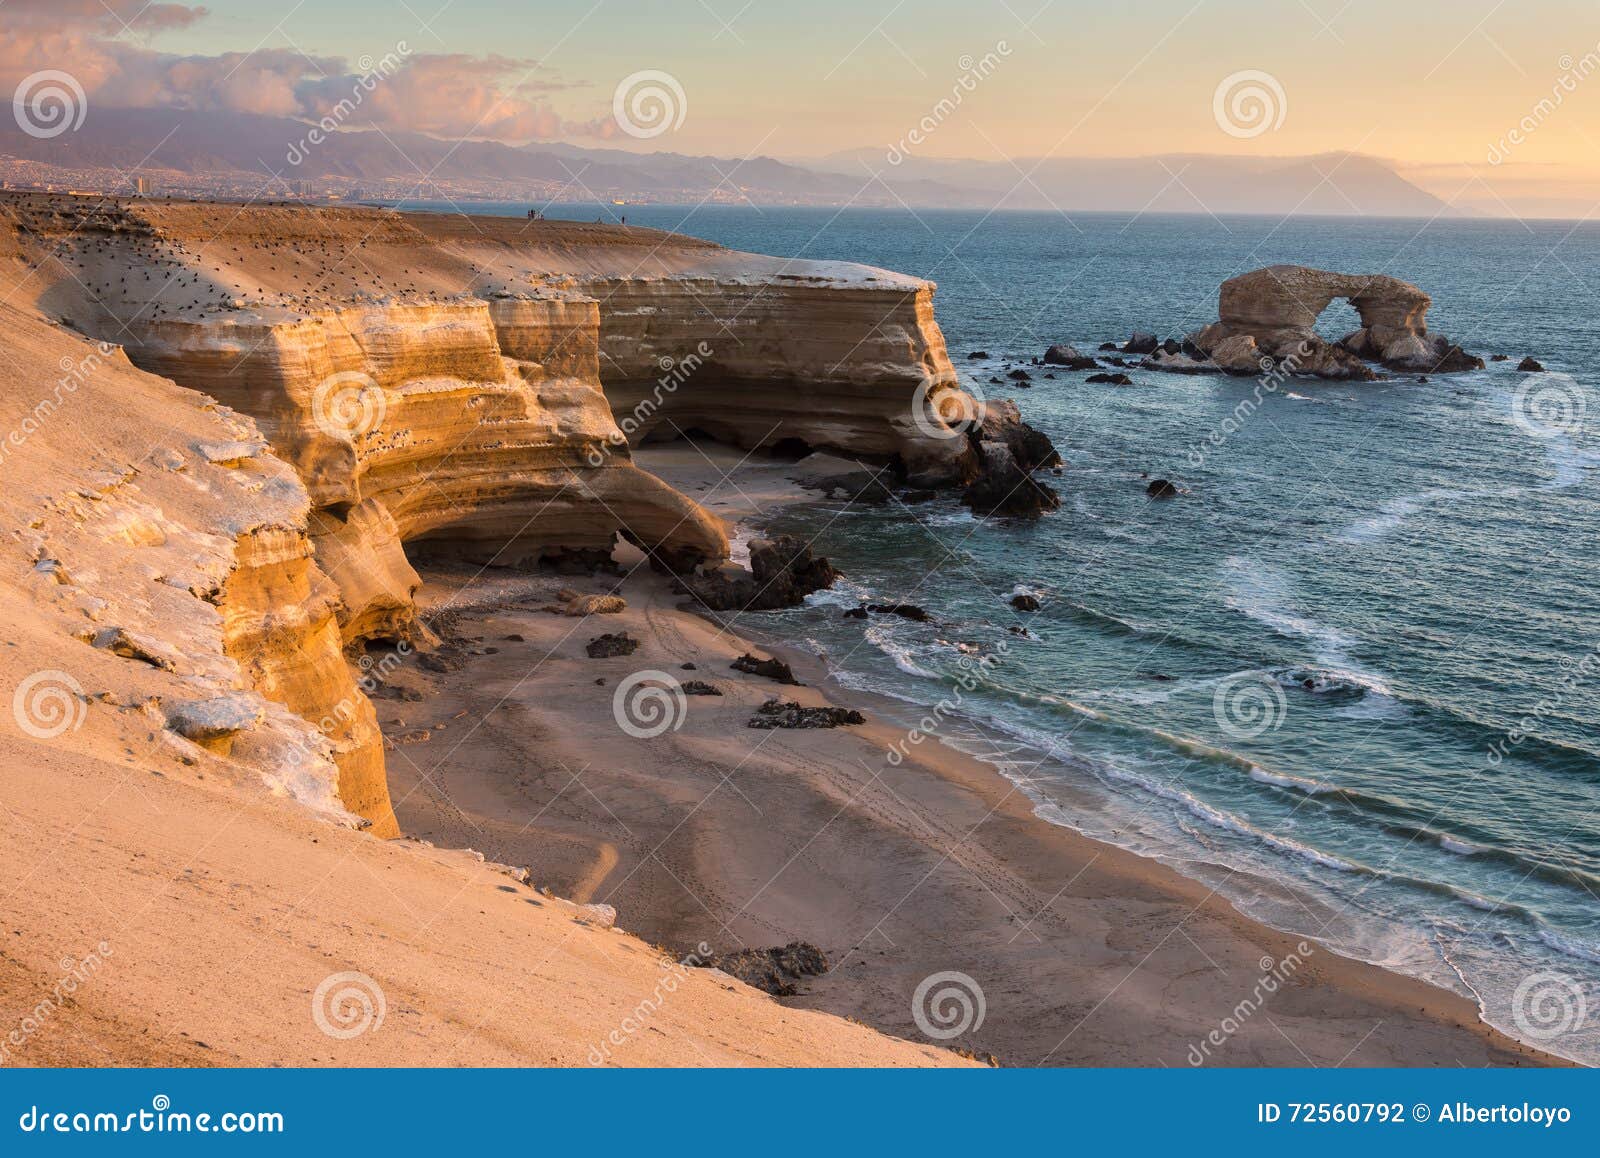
740, 838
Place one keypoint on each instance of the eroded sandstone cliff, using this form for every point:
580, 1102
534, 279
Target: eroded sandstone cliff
161, 580
457, 383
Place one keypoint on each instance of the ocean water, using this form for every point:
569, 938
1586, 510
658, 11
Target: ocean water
1351, 678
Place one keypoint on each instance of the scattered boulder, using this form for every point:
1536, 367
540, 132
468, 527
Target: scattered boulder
699, 688
978, 355
213, 723
612, 645
773, 971
1020, 376
1007, 452
904, 610
1530, 365
1499, 357
1118, 379
130, 645
1069, 357
1023, 601
1141, 343
578, 606
772, 669
1161, 489
788, 714
856, 613
783, 571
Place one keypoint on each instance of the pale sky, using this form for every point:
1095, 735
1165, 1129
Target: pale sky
1412, 80
1497, 99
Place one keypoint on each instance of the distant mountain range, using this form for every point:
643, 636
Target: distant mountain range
208, 143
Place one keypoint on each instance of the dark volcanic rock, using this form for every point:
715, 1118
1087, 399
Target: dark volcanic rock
608, 646
773, 971
1110, 379
1161, 489
783, 571
1141, 343
1069, 357
1530, 365
1025, 602
1003, 487
978, 354
1020, 376
856, 613
903, 610
788, 714
699, 688
772, 669
1455, 359
1007, 452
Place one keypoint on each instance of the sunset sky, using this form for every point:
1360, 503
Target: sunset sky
1437, 85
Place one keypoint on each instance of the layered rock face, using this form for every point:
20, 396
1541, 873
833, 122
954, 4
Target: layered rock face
836, 358
474, 426
159, 565
441, 383
1269, 314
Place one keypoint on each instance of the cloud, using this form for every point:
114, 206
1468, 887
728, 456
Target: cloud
105, 46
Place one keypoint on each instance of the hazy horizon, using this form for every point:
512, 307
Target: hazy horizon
1488, 110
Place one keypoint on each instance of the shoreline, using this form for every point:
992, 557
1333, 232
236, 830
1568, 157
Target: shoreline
1084, 953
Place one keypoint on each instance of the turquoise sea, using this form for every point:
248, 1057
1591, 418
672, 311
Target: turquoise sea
1351, 678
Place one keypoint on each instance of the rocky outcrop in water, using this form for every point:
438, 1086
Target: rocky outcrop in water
783, 571
1008, 452
1267, 319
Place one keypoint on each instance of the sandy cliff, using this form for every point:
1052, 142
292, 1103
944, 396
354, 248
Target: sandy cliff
474, 383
